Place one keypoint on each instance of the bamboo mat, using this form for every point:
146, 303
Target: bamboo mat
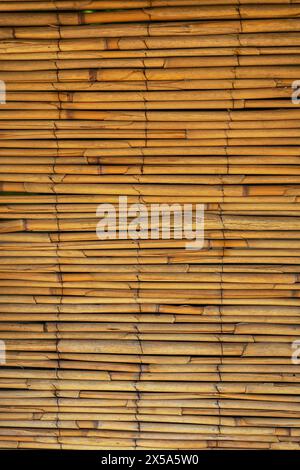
123, 345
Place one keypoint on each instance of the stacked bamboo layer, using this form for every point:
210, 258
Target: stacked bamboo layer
126, 344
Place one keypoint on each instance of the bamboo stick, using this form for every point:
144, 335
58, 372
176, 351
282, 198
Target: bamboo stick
151, 14
73, 5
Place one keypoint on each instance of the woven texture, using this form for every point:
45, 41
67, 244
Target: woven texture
125, 344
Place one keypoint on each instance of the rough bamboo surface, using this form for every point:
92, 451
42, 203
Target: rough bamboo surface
142, 344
